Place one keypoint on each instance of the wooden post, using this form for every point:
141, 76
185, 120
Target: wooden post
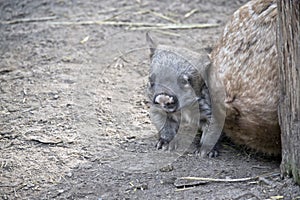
288, 44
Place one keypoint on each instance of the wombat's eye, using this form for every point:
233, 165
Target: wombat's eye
184, 80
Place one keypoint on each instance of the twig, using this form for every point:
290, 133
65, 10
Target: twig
99, 22
179, 183
141, 25
16, 21
123, 11
6, 70
227, 180
158, 15
218, 180
187, 15
30, 109
144, 25
174, 26
184, 189
164, 17
44, 140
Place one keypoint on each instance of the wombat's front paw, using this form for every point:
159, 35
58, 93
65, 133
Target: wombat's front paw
165, 145
195, 149
213, 153
162, 144
203, 153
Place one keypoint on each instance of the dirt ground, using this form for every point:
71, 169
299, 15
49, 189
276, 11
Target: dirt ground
74, 120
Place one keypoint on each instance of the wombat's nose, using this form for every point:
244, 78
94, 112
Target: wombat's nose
168, 102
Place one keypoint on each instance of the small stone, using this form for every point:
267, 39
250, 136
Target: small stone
69, 174
167, 168
60, 191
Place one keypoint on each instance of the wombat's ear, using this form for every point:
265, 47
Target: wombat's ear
151, 44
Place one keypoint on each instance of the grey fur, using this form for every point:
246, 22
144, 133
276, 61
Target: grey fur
172, 75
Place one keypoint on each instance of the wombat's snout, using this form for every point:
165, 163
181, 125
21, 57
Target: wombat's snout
169, 103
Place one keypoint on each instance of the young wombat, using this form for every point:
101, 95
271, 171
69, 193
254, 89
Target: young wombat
179, 91
238, 85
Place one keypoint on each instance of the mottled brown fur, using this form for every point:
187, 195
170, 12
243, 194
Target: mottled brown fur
245, 59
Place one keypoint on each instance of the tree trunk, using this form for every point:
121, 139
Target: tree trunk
288, 44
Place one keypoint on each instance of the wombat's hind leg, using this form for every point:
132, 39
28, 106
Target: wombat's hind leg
196, 145
215, 151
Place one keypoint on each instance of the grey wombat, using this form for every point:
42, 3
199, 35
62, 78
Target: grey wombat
178, 91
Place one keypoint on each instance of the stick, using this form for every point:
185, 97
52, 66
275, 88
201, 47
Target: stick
184, 189
187, 15
144, 25
141, 25
44, 140
227, 180
24, 20
218, 180
123, 11
175, 26
164, 17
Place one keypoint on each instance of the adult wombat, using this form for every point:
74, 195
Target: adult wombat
245, 59
239, 84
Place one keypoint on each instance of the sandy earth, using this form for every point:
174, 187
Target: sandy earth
74, 120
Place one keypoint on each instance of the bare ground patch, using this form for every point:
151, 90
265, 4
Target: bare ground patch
74, 118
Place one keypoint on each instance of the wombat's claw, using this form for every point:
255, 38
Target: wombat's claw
159, 144
165, 145
162, 144
213, 153
193, 149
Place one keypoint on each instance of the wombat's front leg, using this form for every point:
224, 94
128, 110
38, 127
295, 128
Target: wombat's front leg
212, 134
207, 145
167, 133
167, 126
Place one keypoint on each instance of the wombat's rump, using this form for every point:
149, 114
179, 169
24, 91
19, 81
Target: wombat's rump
245, 59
